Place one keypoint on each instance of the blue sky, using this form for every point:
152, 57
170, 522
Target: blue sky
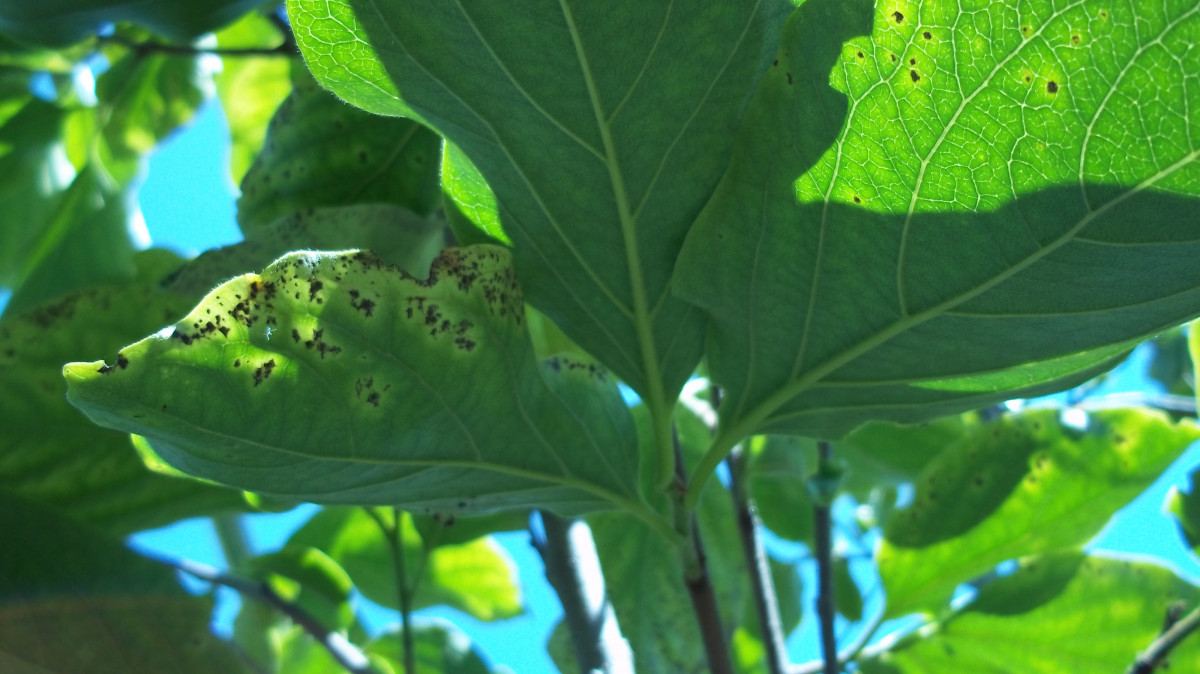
188, 204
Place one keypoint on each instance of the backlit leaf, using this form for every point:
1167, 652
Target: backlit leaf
65, 21
335, 378
1021, 485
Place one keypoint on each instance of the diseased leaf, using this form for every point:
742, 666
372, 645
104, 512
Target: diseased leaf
1033, 621
49, 451
1021, 485
600, 128
336, 378
65, 21
321, 152
996, 212
476, 577
74, 600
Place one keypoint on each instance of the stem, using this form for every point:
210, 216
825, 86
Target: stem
573, 570
704, 604
1155, 655
824, 553
256, 642
343, 651
408, 653
847, 654
766, 602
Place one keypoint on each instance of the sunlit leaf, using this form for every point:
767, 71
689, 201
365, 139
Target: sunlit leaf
250, 89
1185, 507
996, 216
1023, 484
74, 600
601, 130
1059, 613
338, 379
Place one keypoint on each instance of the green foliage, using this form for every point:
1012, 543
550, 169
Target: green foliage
862, 226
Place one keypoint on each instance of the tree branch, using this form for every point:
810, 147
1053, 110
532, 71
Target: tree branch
346, 653
823, 531
573, 569
1156, 654
766, 603
704, 604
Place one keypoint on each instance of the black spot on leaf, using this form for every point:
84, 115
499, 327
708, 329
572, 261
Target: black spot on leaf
898, 16
913, 74
1052, 87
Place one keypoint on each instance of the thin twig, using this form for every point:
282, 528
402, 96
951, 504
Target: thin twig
573, 569
824, 552
288, 48
395, 541
346, 653
847, 654
1156, 654
766, 603
696, 578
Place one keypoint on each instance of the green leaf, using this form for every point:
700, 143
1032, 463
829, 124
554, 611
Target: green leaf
82, 243
308, 578
476, 577
441, 648
49, 451
321, 152
1063, 612
846, 595
1185, 506
381, 368
983, 222
779, 467
1021, 485
471, 207
73, 600
251, 89
601, 129
67, 21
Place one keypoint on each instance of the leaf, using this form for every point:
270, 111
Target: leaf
251, 89
601, 129
441, 648
1185, 506
1024, 484
67, 21
1000, 181
846, 595
321, 152
423, 394
779, 467
50, 452
1032, 621
476, 577
74, 600
308, 578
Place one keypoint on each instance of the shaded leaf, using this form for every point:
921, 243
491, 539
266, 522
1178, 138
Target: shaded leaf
601, 130
476, 577
308, 578
847, 598
981, 227
1033, 621
74, 600
67, 21
49, 451
1021, 485
382, 366
320, 152
779, 467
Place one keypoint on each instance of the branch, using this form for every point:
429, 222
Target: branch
1156, 654
287, 48
343, 651
824, 553
704, 604
573, 569
404, 593
766, 602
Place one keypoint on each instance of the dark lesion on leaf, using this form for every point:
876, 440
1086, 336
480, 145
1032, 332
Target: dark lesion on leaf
263, 372
1052, 87
122, 363
898, 16
320, 345
913, 74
